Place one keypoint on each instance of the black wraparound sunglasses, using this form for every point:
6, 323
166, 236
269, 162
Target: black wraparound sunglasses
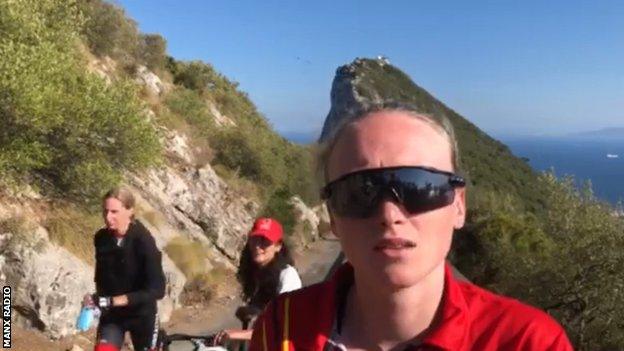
418, 189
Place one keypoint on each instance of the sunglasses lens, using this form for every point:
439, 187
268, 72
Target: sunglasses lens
419, 190
355, 196
423, 191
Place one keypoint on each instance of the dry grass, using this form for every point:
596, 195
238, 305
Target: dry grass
22, 230
73, 228
15, 225
192, 259
189, 256
239, 184
171, 120
150, 216
205, 286
198, 141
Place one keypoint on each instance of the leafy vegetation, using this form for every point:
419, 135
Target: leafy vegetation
109, 32
567, 264
279, 207
251, 149
67, 128
189, 106
60, 123
153, 51
193, 75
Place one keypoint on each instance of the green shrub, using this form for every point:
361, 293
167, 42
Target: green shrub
496, 242
109, 32
278, 206
236, 150
585, 280
268, 159
239, 184
194, 75
58, 121
153, 51
300, 177
192, 108
567, 261
250, 150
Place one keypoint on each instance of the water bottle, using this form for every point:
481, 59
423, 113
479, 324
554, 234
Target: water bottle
85, 318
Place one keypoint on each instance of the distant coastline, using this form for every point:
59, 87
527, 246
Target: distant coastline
596, 159
300, 137
593, 156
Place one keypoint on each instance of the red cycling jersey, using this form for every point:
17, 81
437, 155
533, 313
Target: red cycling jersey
471, 318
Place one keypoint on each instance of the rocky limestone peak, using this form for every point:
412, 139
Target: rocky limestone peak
365, 82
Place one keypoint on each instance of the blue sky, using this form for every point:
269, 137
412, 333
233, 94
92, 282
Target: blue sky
510, 67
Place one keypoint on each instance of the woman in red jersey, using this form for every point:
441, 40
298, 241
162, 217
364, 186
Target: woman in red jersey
395, 198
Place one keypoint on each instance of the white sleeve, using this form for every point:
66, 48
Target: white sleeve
289, 280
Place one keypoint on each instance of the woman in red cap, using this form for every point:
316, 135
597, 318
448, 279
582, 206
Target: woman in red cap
266, 270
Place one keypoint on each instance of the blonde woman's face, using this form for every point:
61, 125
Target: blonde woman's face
116, 216
391, 139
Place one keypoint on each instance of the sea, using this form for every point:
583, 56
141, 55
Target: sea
600, 160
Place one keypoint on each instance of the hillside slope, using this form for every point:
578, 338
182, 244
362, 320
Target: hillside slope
88, 102
530, 236
488, 164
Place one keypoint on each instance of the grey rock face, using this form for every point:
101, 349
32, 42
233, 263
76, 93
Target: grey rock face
151, 81
347, 97
311, 223
104, 68
175, 281
199, 204
220, 119
48, 282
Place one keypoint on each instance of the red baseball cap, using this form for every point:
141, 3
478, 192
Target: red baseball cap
268, 228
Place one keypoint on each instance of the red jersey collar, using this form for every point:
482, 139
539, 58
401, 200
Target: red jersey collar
451, 327
452, 323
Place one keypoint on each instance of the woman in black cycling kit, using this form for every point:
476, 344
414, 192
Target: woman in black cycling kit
129, 277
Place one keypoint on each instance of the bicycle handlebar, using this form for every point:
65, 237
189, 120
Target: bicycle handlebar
177, 337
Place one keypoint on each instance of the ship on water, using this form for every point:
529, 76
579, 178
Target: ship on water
613, 156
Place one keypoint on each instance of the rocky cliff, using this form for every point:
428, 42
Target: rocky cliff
175, 199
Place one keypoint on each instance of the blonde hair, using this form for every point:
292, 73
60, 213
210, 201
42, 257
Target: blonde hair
328, 140
123, 194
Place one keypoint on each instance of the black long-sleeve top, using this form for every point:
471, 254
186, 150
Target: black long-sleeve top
132, 266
